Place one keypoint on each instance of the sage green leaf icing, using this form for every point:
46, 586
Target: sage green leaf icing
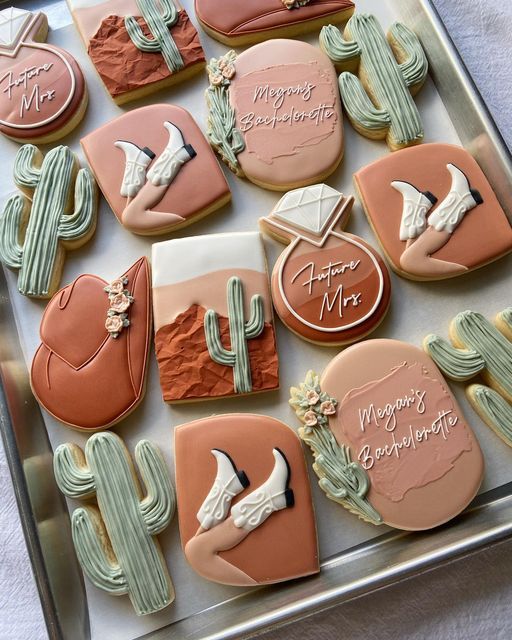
239, 332
415, 68
457, 364
494, 409
159, 21
224, 137
388, 82
38, 253
342, 480
134, 564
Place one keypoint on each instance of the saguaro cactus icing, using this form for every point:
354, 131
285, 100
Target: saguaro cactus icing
159, 24
239, 331
36, 248
481, 348
128, 561
379, 104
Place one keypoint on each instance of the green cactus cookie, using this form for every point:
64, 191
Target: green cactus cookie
115, 545
56, 211
379, 100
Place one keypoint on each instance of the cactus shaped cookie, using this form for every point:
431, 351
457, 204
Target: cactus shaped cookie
56, 211
480, 347
116, 545
379, 102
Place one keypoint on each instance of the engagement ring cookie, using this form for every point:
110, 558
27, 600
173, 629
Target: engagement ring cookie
243, 23
389, 440
328, 286
275, 114
55, 213
433, 211
115, 541
43, 95
214, 334
90, 369
156, 169
247, 518
138, 46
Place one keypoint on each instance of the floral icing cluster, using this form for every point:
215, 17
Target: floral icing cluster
295, 4
120, 300
222, 70
312, 405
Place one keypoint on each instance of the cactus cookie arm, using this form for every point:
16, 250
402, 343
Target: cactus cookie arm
504, 322
89, 537
212, 333
458, 364
11, 252
158, 507
361, 110
336, 47
493, 409
138, 38
27, 167
71, 472
255, 325
79, 223
409, 53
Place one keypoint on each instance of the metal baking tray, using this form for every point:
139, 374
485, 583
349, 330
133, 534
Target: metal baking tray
356, 558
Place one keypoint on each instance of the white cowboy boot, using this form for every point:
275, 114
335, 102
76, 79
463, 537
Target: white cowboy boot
416, 205
228, 483
457, 203
172, 158
137, 161
272, 495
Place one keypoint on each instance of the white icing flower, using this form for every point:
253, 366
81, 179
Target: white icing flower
116, 286
228, 71
312, 397
310, 418
114, 324
327, 408
216, 79
120, 303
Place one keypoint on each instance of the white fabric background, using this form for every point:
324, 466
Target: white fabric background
468, 599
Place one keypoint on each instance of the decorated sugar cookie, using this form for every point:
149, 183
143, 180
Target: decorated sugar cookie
90, 369
242, 23
115, 541
138, 46
55, 212
480, 347
274, 114
328, 286
247, 518
151, 165
43, 95
378, 100
390, 442
433, 211
214, 334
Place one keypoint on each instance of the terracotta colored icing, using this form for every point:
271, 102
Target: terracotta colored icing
327, 286
419, 488
264, 16
156, 206
79, 374
284, 545
41, 86
482, 235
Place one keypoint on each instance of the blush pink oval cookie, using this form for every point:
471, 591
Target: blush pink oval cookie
390, 442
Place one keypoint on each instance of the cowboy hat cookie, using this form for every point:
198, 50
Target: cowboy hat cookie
115, 541
150, 164
247, 517
54, 213
243, 23
43, 95
433, 211
274, 114
390, 70
479, 347
214, 333
328, 286
389, 440
138, 46
90, 370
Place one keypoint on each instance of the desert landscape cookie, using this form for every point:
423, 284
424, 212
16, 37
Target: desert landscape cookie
43, 95
328, 286
90, 368
138, 46
150, 164
379, 77
389, 440
242, 23
274, 114
115, 541
433, 211
479, 347
54, 213
247, 518
214, 333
